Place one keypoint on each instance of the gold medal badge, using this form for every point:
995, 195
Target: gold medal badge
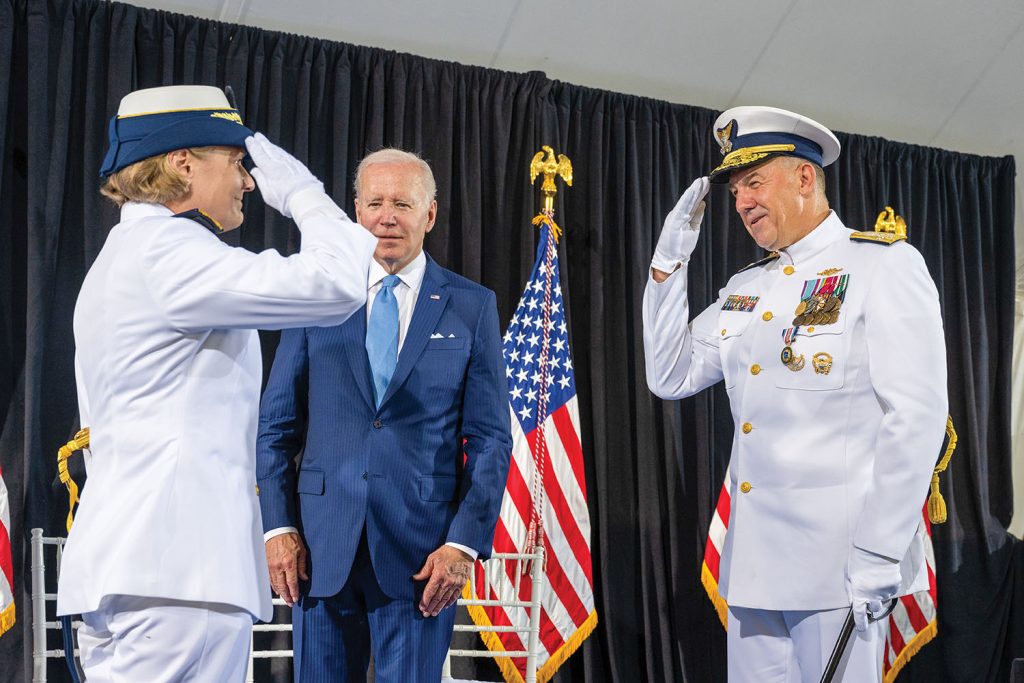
788, 358
822, 363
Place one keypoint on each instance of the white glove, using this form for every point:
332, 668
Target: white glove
872, 580
280, 176
681, 229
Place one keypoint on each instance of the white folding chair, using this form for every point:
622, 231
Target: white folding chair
494, 572
40, 624
276, 625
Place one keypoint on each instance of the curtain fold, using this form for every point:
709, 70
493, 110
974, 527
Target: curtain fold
653, 468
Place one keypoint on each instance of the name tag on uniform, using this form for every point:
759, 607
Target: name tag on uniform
738, 302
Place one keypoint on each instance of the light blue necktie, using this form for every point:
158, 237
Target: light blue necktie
382, 336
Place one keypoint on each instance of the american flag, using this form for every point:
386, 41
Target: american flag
545, 500
912, 624
6, 565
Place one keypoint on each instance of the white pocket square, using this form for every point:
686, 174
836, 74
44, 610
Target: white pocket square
437, 335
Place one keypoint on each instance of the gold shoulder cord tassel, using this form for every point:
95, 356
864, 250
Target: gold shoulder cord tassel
80, 441
936, 503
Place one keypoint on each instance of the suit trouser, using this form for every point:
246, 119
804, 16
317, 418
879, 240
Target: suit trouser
129, 639
770, 646
332, 637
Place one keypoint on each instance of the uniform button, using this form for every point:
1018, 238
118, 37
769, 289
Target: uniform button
755, 369
747, 427
723, 333
745, 487
257, 489
365, 475
377, 424
810, 329
766, 316
789, 270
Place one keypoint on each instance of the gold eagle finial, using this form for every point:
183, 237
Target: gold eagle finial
552, 166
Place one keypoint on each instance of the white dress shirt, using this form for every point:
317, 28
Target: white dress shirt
406, 292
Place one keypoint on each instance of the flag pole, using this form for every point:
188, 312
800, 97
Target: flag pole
551, 167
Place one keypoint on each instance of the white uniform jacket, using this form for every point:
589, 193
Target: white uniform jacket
836, 448
168, 368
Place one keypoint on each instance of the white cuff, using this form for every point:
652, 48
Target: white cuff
469, 551
311, 201
279, 531
681, 265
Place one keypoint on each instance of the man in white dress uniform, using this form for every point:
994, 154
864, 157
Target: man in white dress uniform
832, 353
165, 561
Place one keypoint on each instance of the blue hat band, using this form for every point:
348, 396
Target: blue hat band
755, 148
136, 138
804, 148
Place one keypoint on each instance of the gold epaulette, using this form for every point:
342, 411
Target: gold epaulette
885, 238
80, 441
767, 259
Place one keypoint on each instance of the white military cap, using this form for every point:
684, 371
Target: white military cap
160, 120
751, 135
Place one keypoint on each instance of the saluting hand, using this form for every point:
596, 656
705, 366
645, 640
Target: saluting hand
447, 570
681, 229
279, 175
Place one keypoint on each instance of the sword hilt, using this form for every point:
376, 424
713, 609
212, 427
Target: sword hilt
844, 639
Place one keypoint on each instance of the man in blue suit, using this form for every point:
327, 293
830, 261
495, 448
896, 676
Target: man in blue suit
401, 418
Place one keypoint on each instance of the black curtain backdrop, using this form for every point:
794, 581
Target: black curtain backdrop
653, 468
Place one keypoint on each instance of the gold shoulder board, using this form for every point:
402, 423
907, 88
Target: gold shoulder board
767, 259
885, 238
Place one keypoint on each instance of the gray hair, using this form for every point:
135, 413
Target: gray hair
392, 155
795, 162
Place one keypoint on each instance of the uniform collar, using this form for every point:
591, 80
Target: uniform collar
411, 275
143, 210
828, 231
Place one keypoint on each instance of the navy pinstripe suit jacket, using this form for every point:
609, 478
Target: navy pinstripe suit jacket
399, 470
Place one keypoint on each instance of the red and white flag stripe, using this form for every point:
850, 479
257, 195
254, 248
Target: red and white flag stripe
545, 501
6, 563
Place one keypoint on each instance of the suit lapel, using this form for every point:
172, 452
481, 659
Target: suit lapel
430, 304
353, 333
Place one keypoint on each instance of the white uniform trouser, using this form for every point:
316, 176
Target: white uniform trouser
130, 639
770, 646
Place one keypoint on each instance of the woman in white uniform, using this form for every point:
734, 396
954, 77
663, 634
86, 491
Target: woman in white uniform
165, 561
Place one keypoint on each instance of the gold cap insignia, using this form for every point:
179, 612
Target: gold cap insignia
724, 136
228, 116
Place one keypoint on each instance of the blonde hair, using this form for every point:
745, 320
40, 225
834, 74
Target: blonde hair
391, 155
152, 180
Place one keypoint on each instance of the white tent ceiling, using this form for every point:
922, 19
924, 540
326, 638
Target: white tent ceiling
942, 73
